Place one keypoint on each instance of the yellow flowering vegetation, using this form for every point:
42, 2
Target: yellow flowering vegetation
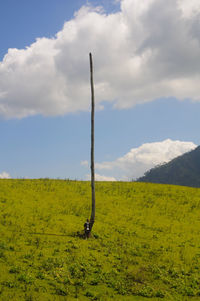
145, 241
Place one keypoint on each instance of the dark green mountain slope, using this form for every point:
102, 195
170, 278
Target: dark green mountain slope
183, 170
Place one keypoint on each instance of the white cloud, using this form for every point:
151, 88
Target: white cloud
189, 8
4, 175
101, 178
149, 49
85, 163
138, 160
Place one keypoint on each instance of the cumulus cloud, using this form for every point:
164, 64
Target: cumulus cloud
147, 50
101, 178
189, 8
4, 175
138, 160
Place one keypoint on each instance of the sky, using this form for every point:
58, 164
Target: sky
147, 76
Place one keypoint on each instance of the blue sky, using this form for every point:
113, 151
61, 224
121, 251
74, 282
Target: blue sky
42, 137
23, 21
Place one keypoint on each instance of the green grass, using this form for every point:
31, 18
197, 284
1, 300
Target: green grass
145, 241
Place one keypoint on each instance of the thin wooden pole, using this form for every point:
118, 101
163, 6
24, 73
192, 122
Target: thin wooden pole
92, 218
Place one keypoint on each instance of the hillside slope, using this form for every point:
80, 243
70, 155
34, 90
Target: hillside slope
184, 170
145, 241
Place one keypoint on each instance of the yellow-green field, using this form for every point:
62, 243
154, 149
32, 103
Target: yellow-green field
145, 244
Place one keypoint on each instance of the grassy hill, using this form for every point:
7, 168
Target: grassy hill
183, 170
145, 241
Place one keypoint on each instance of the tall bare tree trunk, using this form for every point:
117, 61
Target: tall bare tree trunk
92, 218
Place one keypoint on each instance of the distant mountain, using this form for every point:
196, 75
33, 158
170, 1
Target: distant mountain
183, 170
